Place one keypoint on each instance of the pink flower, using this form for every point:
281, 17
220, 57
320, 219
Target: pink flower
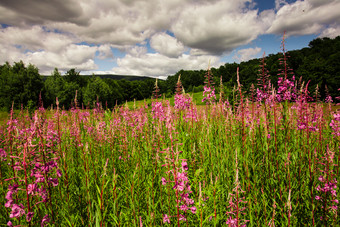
17, 211
193, 210
163, 181
182, 217
321, 179
29, 216
31, 188
184, 166
45, 220
166, 219
184, 207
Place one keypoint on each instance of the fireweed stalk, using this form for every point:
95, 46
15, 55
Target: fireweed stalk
209, 96
327, 202
181, 185
41, 162
235, 208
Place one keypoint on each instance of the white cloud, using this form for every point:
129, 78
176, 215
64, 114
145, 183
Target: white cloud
305, 17
73, 33
331, 32
217, 27
279, 3
247, 54
105, 51
45, 49
160, 65
166, 45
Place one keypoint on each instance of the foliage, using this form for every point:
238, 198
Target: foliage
319, 64
194, 166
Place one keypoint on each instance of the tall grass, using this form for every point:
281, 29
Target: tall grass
257, 164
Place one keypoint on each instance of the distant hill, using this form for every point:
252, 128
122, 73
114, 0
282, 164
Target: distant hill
122, 77
114, 77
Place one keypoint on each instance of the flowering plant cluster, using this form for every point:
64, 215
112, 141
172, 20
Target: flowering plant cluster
209, 95
326, 189
183, 190
158, 111
35, 169
286, 90
182, 102
335, 124
235, 207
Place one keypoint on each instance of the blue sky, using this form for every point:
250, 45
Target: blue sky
156, 38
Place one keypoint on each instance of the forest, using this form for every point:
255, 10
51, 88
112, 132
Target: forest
22, 86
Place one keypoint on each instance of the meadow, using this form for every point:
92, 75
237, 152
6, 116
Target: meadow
256, 162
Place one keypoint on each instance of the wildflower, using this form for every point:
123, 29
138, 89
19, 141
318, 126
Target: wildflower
184, 166
31, 188
3, 154
193, 210
182, 102
17, 211
182, 217
29, 216
45, 220
163, 181
166, 219
184, 207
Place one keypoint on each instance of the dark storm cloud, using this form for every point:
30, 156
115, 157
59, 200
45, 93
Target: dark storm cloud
40, 11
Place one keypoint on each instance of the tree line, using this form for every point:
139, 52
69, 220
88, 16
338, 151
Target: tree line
23, 86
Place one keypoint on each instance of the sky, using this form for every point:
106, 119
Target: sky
156, 38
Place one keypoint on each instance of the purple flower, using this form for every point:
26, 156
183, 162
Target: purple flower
2, 153
29, 216
54, 181
184, 166
166, 219
9, 195
193, 210
31, 188
231, 221
59, 174
182, 217
317, 197
17, 211
9, 203
183, 207
13, 188
45, 220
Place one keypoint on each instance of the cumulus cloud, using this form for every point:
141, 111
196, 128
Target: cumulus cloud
45, 49
73, 33
305, 17
105, 51
156, 65
219, 27
331, 32
35, 38
247, 54
279, 3
166, 45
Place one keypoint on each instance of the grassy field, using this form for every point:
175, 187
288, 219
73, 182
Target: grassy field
196, 97
182, 164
